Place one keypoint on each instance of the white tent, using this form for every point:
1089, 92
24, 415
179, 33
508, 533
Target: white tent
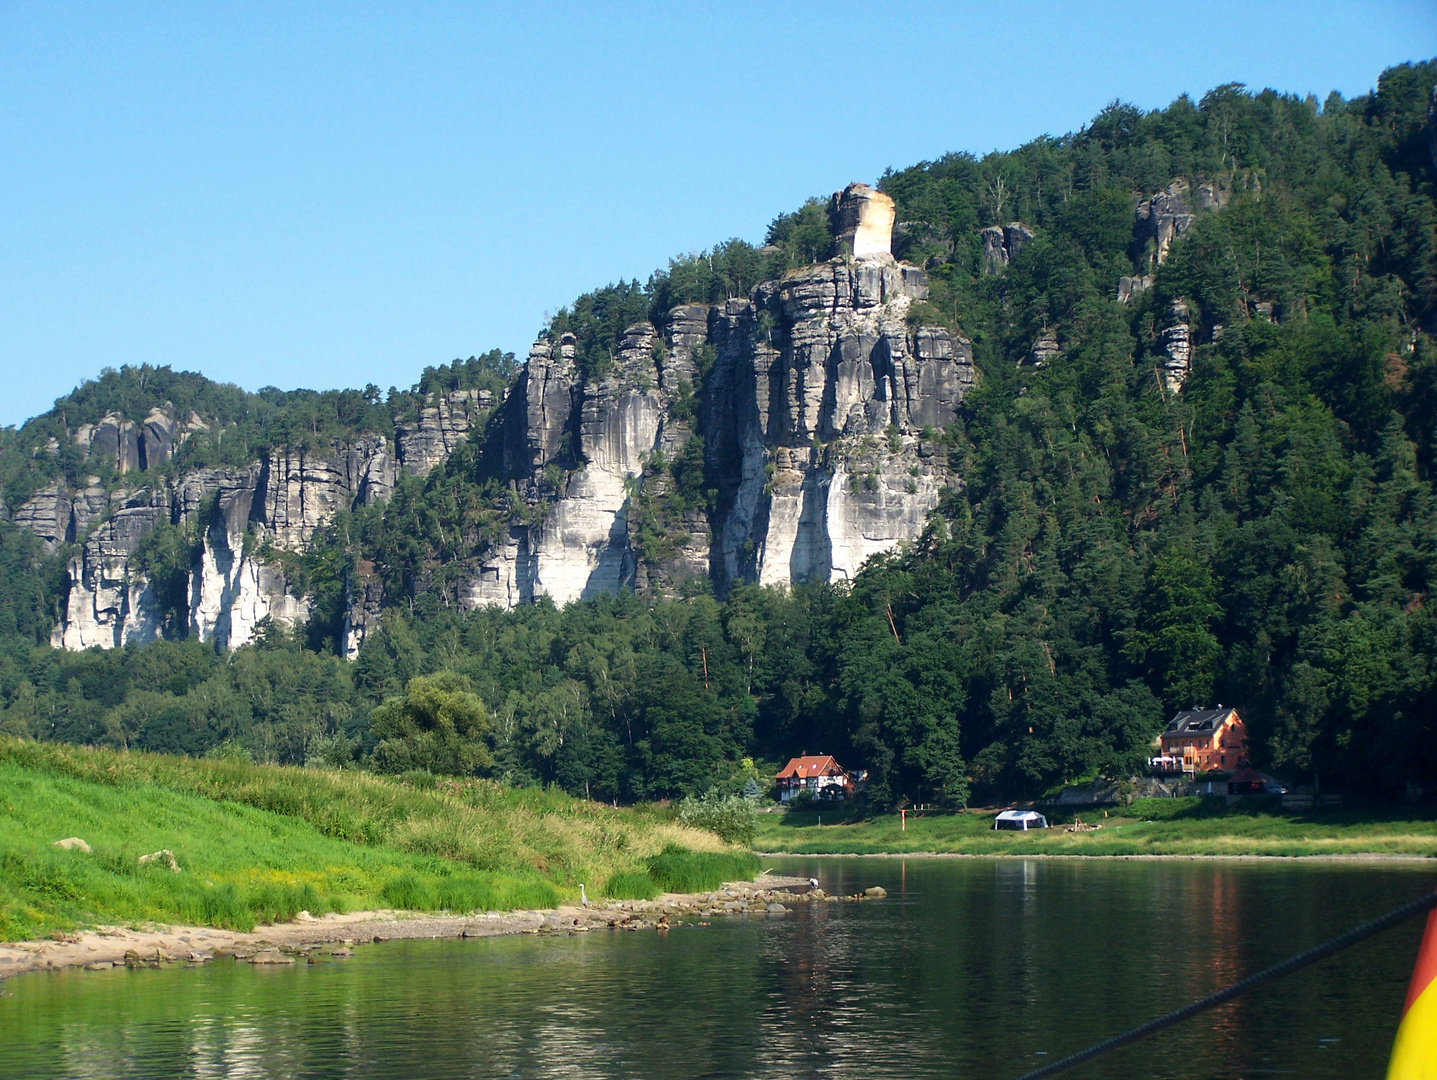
1020, 819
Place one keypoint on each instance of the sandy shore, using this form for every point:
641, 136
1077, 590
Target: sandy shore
333, 935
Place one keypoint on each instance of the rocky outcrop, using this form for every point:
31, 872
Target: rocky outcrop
235, 588
862, 221
441, 425
1001, 244
816, 402
1129, 287
237, 519
107, 605
818, 398
1044, 351
1159, 220
1163, 217
782, 437
365, 609
300, 490
1175, 347
46, 514
582, 547
537, 413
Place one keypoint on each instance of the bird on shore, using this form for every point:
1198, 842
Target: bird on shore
583, 896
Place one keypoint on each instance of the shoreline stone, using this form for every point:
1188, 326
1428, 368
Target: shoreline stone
103, 947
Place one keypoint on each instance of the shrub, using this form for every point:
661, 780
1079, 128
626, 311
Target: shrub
732, 817
437, 726
230, 750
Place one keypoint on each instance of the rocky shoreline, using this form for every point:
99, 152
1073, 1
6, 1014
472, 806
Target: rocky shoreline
307, 939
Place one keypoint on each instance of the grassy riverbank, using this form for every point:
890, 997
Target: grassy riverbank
259, 843
1148, 827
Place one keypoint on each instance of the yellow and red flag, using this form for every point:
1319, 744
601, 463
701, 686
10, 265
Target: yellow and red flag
1414, 1053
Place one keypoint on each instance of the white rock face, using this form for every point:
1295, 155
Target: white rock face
108, 605
1176, 344
279, 501
581, 547
818, 421
47, 515
233, 590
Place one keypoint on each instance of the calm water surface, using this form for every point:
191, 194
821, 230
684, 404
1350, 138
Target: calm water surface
971, 969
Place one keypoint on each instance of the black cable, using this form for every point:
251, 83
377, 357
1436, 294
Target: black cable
1291, 964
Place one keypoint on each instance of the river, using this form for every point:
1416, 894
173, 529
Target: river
971, 968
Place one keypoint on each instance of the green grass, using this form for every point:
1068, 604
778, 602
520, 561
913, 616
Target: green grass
260, 843
632, 885
679, 870
1147, 827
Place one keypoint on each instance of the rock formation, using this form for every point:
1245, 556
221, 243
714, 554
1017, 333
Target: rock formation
1159, 221
47, 515
1001, 244
1129, 287
1045, 349
810, 408
862, 221
817, 406
442, 424
107, 605
1163, 217
813, 420
238, 517
1175, 346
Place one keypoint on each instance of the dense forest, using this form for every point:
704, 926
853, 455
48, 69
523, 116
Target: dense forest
1115, 549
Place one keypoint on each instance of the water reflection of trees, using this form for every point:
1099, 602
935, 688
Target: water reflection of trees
977, 966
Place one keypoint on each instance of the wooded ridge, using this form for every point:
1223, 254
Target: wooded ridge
1131, 420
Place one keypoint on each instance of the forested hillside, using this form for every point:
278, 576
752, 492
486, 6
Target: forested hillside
1196, 467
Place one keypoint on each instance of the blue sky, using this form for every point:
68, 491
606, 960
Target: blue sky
336, 194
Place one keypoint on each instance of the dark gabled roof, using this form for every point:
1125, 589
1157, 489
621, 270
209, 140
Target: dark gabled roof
1197, 721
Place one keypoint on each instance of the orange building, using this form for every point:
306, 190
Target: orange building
1205, 740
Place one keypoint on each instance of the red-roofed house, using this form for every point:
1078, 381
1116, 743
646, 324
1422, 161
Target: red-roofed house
822, 776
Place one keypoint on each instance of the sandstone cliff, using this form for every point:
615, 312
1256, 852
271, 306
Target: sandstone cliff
810, 407
817, 404
237, 516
